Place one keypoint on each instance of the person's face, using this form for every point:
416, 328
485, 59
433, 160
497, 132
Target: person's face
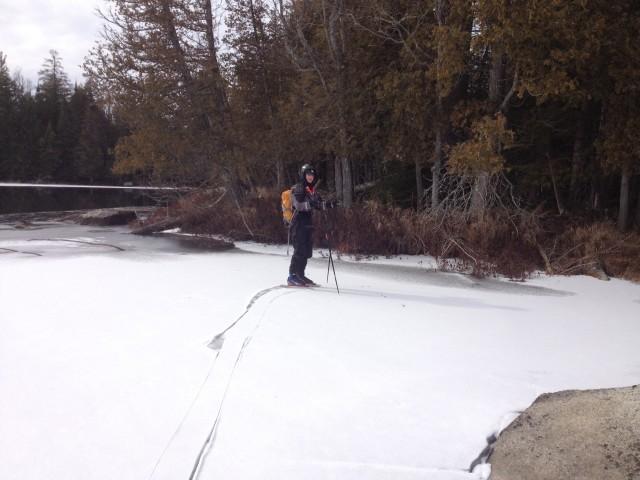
309, 176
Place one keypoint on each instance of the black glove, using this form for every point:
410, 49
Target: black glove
315, 201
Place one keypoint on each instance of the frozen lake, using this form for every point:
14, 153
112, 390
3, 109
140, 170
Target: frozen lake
108, 369
22, 198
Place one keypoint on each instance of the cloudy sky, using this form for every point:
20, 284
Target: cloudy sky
30, 28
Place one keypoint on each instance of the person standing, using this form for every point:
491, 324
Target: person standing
305, 199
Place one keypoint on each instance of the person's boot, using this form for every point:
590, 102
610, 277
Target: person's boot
307, 281
295, 281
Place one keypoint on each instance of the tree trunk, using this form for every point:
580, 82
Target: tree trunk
419, 186
481, 184
337, 175
279, 173
178, 52
578, 150
556, 194
623, 212
441, 7
219, 93
345, 165
258, 37
479, 195
334, 28
638, 208
437, 167
495, 76
347, 183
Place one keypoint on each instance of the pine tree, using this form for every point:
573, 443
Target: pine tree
53, 80
433, 38
319, 36
7, 114
49, 155
259, 78
158, 64
26, 132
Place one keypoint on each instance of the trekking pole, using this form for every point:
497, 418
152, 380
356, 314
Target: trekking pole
330, 264
334, 271
289, 231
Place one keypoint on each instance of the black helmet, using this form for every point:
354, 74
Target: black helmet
306, 168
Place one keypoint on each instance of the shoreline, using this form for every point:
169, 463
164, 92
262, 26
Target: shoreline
69, 215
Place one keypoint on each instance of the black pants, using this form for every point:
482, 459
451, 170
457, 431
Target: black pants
302, 241
298, 264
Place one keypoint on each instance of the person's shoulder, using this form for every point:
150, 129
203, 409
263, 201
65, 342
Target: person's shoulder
298, 188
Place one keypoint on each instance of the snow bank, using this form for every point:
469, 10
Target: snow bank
106, 370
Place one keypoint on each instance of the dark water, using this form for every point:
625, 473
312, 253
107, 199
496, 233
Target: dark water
47, 199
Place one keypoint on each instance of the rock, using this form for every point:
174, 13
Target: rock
573, 435
598, 271
159, 226
23, 225
108, 216
200, 242
28, 219
599, 274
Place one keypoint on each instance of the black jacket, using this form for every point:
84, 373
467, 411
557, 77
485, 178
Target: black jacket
305, 200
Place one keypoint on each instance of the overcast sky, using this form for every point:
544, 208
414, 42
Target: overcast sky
30, 28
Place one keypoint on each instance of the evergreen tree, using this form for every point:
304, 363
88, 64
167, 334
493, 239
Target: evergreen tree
26, 132
540, 95
41, 135
7, 114
49, 155
158, 63
260, 76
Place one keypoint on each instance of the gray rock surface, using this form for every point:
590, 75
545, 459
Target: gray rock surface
573, 435
108, 216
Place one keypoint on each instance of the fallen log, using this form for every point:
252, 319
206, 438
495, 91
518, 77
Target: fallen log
200, 242
151, 228
108, 217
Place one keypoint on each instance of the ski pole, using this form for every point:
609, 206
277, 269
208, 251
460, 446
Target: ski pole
334, 271
326, 237
330, 264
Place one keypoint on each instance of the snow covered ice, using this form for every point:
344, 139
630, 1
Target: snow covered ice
108, 369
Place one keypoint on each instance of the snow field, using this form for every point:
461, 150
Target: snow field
106, 373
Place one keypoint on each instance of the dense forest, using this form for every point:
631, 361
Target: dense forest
55, 133
522, 114
410, 102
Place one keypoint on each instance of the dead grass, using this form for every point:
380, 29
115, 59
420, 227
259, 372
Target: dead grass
589, 249
511, 243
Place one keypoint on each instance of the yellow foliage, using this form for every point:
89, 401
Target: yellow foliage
482, 153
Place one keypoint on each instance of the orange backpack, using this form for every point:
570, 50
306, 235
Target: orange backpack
287, 206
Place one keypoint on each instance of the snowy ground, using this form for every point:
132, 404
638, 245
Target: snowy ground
112, 364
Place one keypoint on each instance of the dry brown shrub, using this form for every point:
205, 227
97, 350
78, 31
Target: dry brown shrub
508, 242
499, 243
589, 249
368, 229
258, 219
